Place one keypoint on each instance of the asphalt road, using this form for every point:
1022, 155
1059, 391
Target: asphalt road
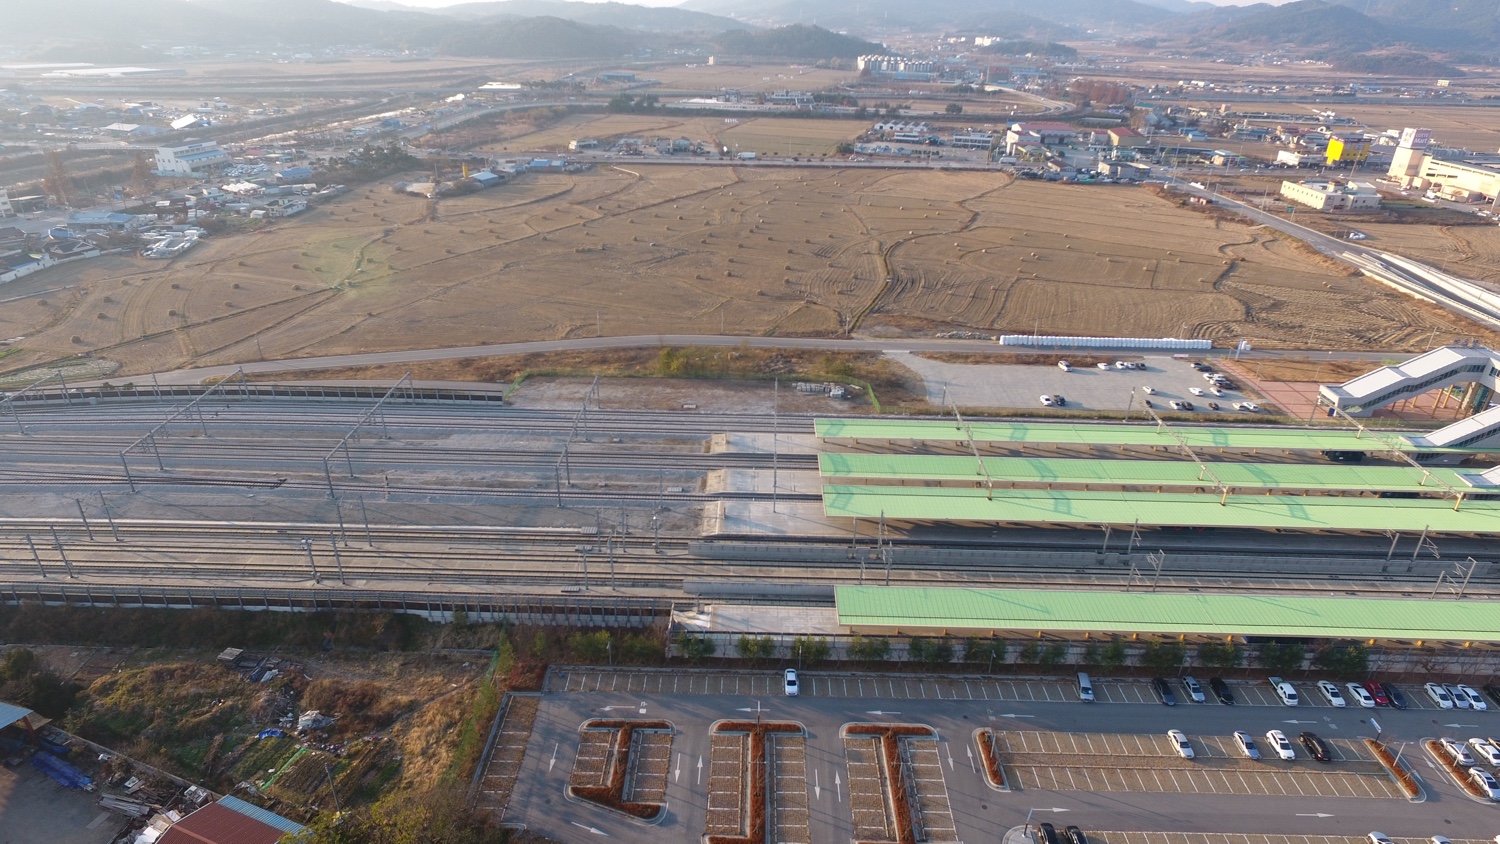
981, 813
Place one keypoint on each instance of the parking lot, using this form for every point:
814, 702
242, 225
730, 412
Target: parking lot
1103, 762
851, 742
1085, 388
896, 687
1236, 838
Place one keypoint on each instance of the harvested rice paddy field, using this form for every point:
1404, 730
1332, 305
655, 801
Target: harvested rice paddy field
638, 249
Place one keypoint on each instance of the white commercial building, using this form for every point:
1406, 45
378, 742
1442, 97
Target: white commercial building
1472, 177
1333, 196
190, 157
6, 210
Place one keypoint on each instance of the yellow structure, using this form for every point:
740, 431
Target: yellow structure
1348, 149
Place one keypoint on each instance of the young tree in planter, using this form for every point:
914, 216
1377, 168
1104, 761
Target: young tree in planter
1221, 655
1053, 655
1350, 659
1114, 655
1164, 657
1280, 657
990, 651
809, 649
694, 648
862, 649
929, 652
756, 647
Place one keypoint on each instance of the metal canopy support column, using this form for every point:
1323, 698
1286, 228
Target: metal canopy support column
354, 431
149, 438
10, 400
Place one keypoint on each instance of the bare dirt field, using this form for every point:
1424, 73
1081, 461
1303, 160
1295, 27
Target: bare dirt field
636, 249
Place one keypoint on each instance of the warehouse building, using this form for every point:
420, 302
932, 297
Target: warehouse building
1333, 196
191, 157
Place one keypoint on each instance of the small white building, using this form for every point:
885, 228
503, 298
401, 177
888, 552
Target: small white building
6, 209
190, 157
1333, 196
1291, 158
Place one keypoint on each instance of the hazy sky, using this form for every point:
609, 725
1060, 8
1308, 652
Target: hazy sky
434, 3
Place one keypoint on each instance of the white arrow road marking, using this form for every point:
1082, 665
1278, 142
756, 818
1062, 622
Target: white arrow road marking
1457, 726
1014, 715
879, 712
554, 757
838, 786
1299, 722
817, 787
970, 751
700, 770
949, 747
677, 776
594, 829
1314, 815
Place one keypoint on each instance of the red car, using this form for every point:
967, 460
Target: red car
1381, 699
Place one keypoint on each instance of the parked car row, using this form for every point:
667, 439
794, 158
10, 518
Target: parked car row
1315, 746
1069, 835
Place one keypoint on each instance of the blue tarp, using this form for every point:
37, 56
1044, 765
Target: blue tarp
65, 774
272, 733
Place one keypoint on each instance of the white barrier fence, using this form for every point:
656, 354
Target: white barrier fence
1054, 341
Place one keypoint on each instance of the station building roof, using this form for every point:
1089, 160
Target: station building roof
1074, 508
969, 612
1072, 433
1075, 472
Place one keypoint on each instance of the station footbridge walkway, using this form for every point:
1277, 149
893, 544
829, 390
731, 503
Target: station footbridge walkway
1474, 368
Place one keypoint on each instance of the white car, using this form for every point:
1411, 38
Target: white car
1216, 391
1459, 753
1474, 699
1180, 743
1246, 744
1361, 697
1047, 401
1197, 391
1065, 366
1460, 700
1104, 366
1486, 750
1194, 689
1150, 391
1484, 782
1331, 694
1246, 405
1280, 744
1439, 695
1211, 377
1120, 364
790, 679
1177, 405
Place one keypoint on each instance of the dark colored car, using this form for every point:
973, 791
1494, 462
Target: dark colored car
1163, 691
1398, 700
1221, 690
1077, 835
1493, 692
1049, 833
1316, 747
1061, 402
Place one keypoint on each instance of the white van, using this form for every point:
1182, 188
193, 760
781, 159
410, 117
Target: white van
1285, 691
1085, 688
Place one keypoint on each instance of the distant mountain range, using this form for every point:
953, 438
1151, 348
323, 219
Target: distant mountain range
1367, 34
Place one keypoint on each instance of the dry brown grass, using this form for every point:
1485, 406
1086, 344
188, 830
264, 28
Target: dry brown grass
637, 249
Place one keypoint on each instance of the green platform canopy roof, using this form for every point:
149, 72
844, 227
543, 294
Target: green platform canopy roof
1067, 433
975, 611
914, 468
1149, 509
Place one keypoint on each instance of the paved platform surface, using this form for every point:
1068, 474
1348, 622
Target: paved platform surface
36, 810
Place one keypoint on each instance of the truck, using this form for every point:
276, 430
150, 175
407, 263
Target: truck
746, 156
